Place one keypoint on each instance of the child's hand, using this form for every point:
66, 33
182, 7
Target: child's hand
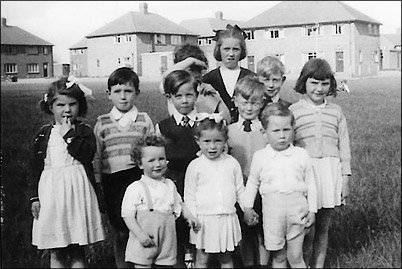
345, 188
310, 219
146, 240
35, 209
250, 217
66, 125
194, 224
207, 89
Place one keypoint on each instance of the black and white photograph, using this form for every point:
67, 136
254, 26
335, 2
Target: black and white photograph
200, 134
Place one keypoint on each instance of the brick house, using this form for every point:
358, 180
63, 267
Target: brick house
296, 31
24, 55
123, 41
79, 59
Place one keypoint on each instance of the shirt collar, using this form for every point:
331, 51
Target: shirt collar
275, 99
117, 114
287, 152
178, 117
255, 124
151, 181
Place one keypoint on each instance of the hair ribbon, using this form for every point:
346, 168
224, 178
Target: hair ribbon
73, 80
217, 117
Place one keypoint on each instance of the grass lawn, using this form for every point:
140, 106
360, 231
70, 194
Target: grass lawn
365, 233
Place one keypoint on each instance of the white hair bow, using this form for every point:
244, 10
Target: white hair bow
73, 80
217, 117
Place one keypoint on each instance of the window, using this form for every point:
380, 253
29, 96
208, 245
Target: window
33, 68
97, 63
175, 39
273, 33
11, 50
199, 42
370, 29
311, 55
312, 30
45, 50
73, 52
249, 35
117, 39
129, 38
118, 60
160, 39
337, 29
360, 56
76, 67
209, 41
10, 68
33, 50
81, 51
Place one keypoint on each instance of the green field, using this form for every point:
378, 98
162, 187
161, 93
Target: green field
365, 233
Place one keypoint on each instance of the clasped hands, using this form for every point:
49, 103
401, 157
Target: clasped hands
251, 217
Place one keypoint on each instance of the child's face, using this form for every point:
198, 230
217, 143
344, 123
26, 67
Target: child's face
122, 96
64, 107
230, 52
248, 109
153, 162
279, 132
317, 90
273, 84
184, 99
212, 143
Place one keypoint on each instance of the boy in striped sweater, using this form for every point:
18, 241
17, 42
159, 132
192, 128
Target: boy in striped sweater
116, 133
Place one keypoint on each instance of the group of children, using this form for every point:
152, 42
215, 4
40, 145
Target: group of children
243, 179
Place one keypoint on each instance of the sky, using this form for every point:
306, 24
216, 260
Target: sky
64, 23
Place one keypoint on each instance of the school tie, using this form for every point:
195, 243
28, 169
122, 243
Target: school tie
247, 124
185, 121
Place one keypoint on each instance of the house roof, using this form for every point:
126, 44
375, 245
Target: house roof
141, 22
205, 26
289, 13
13, 35
80, 44
394, 39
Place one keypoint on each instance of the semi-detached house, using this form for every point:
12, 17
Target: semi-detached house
296, 31
123, 41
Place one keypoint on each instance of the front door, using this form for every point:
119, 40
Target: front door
45, 70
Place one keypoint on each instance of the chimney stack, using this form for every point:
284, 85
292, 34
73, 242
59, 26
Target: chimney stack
219, 15
144, 8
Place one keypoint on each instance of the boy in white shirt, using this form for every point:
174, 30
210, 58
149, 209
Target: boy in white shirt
282, 173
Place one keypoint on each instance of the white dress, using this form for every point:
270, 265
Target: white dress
69, 212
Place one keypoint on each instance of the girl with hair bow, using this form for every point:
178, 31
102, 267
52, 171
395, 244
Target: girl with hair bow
230, 49
64, 203
213, 185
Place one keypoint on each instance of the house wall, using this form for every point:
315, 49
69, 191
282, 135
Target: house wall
152, 64
294, 47
22, 59
108, 53
79, 63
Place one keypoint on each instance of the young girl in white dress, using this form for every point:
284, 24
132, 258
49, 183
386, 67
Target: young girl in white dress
64, 203
213, 185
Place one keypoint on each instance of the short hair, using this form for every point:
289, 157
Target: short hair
276, 109
148, 140
176, 79
318, 69
250, 87
230, 31
124, 75
59, 87
210, 124
184, 51
270, 65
